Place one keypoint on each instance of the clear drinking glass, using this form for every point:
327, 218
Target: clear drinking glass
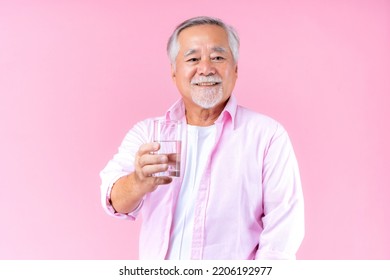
168, 134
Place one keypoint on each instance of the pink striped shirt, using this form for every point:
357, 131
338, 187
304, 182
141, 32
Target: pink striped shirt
249, 204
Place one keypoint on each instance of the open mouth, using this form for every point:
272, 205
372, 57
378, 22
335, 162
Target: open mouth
206, 84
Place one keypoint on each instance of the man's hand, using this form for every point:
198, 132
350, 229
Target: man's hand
146, 164
128, 191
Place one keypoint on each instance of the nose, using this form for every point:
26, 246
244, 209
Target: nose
206, 68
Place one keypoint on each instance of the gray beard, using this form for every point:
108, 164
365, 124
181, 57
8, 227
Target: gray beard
207, 98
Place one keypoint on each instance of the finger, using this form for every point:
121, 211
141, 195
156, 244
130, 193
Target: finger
149, 159
163, 180
149, 170
148, 148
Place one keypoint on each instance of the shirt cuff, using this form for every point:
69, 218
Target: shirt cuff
129, 216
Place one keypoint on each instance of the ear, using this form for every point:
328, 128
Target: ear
173, 72
236, 70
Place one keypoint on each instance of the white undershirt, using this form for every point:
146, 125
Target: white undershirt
200, 141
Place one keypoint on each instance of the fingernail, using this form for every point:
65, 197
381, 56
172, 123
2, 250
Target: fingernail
164, 159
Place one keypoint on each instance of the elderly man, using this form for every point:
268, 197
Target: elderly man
240, 194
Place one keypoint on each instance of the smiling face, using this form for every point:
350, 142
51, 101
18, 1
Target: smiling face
205, 72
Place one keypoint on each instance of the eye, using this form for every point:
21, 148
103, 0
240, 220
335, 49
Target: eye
192, 59
218, 58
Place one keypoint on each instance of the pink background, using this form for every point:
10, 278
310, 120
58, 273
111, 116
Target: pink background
76, 75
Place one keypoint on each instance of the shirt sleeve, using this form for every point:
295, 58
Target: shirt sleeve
121, 165
283, 220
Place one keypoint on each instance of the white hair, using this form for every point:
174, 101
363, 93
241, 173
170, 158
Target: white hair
173, 43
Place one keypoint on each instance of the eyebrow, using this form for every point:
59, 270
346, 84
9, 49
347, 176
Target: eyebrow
214, 49
219, 49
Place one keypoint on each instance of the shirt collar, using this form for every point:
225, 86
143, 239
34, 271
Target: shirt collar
177, 111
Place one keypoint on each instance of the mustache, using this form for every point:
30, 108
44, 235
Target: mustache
206, 79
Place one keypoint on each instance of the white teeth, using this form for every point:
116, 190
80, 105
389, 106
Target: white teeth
206, 81
206, 84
